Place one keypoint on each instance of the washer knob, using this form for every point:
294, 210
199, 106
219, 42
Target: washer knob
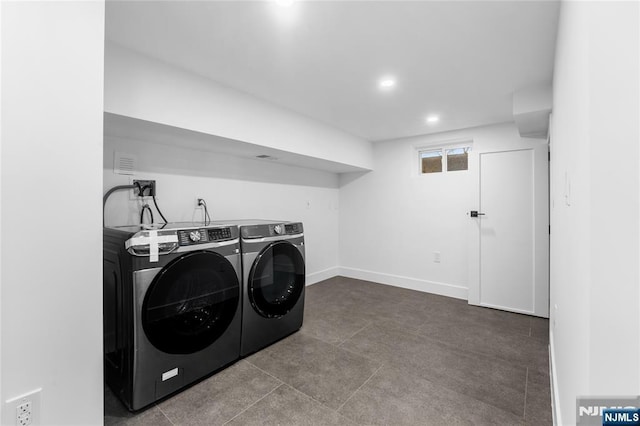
277, 229
194, 236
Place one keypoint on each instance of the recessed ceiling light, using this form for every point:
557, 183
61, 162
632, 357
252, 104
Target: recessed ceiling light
432, 119
387, 83
284, 3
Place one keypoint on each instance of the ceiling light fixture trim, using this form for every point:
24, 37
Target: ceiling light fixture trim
387, 83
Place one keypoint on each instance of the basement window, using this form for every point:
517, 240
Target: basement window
444, 159
431, 161
458, 159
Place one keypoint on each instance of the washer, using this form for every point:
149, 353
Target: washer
172, 307
273, 270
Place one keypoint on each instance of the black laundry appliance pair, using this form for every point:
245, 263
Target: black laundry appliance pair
182, 301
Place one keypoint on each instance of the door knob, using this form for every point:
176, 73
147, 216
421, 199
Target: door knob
474, 213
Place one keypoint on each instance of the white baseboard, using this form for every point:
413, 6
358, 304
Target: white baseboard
442, 289
316, 277
555, 395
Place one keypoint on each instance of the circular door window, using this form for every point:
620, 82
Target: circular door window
276, 280
190, 303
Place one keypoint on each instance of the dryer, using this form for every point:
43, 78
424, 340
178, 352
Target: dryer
172, 307
273, 271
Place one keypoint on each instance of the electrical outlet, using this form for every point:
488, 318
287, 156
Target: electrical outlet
436, 257
148, 187
23, 414
23, 410
200, 202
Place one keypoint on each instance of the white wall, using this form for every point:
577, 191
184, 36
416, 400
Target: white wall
392, 219
234, 188
595, 187
148, 89
51, 282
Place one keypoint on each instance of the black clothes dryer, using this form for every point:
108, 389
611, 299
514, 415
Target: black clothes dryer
273, 271
172, 307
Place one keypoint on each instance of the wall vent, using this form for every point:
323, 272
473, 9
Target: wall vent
124, 164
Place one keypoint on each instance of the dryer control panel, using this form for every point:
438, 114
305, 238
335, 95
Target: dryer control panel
293, 228
271, 230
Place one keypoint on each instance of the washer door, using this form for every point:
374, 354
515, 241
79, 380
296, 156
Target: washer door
190, 303
276, 280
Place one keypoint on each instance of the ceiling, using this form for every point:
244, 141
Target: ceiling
461, 60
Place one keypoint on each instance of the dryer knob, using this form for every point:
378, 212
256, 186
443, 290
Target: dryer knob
194, 236
277, 229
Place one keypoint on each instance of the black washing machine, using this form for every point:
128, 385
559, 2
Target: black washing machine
172, 307
273, 271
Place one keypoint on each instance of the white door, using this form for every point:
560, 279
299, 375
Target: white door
509, 239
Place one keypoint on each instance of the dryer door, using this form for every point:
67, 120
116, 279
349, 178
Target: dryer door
190, 303
276, 280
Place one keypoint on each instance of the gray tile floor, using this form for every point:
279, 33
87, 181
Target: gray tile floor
376, 355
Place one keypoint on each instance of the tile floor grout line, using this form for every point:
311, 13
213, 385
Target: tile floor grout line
295, 388
310, 397
363, 328
404, 325
360, 355
163, 413
319, 402
282, 382
320, 338
422, 324
506, 332
260, 399
360, 387
526, 386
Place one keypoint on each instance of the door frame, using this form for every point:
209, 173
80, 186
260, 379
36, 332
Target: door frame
541, 220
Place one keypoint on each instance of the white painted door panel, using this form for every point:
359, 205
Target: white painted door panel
506, 230
509, 243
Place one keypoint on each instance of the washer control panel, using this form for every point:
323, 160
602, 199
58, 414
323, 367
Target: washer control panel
190, 237
216, 234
